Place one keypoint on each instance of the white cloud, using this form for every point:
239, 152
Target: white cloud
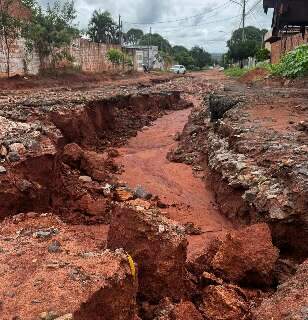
199, 30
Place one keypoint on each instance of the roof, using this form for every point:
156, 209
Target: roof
287, 13
136, 47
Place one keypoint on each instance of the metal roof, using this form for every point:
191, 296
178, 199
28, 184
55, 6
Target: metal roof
288, 13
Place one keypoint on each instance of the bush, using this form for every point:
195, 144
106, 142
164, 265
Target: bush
115, 56
293, 64
236, 72
263, 54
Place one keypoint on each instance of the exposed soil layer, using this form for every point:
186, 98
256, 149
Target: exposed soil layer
254, 154
136, 236
44, 173
52, 268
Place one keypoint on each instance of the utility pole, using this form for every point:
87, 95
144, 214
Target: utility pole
243, 18
120, 36
149, 43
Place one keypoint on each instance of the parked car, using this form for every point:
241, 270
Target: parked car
179, 69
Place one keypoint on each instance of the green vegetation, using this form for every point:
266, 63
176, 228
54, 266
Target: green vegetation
133, 36
262, 55
9, 30
117, 57
293, 64
236, 72
240, 50
51, 31
102, 28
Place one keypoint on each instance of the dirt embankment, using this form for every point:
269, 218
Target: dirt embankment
254, 152
44, 160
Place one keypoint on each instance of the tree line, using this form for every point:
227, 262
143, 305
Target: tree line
50, 31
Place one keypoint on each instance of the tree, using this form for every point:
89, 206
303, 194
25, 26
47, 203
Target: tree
51, 31
200, 56
239, 50
182, 56
156, 40
102, 28
133, 36
10, 29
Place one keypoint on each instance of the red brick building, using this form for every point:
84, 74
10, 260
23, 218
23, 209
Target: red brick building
289, 26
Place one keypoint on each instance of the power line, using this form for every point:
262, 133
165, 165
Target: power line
201, 24
224, 5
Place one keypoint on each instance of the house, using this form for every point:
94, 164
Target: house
145, 55
289, 26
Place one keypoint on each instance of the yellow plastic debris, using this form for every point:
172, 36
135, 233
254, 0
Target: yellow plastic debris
132, 266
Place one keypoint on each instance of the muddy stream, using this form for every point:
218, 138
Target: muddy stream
188, 198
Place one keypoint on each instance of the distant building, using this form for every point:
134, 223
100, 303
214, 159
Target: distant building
145, 55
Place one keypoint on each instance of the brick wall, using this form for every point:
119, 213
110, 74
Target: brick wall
21, 62
88, 56
280, 47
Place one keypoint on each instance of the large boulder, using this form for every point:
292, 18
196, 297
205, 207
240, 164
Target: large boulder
290, 301
157, 245
246, 256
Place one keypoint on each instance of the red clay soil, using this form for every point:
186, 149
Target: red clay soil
254, 75
145, 164
79, 80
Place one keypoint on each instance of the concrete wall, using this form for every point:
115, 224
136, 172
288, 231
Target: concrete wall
88, 56
278, 48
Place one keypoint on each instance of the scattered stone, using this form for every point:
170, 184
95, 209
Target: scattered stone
107, 188
140, 203
49, 315
46, 233
192, 230
2, 170
113, 153
13, 156
123, 194
85, 179
68, 316
141, 193
161, 205
223, 302
3, 152
177, 136
23, 185
54, 247
18, 148
209, 279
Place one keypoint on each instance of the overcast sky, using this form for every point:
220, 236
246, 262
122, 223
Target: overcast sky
207, 23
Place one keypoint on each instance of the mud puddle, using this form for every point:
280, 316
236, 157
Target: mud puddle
188, 200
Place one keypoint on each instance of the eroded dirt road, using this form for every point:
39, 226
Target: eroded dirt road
144, 162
